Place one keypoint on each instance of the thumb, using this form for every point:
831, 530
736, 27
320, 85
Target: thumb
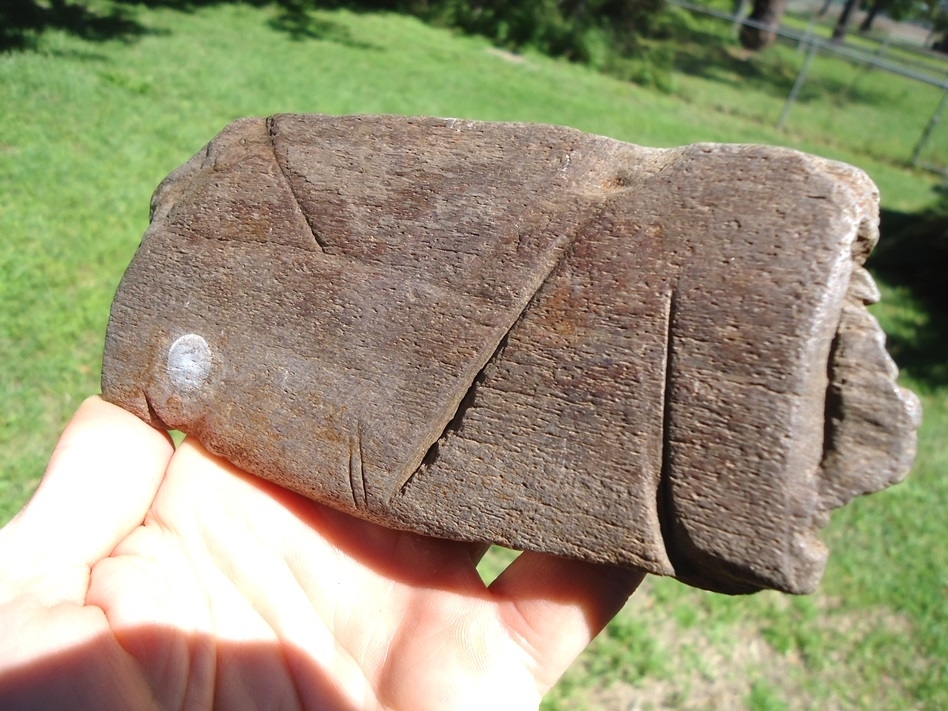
99, 484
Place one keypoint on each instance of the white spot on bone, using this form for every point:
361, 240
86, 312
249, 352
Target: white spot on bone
189, 362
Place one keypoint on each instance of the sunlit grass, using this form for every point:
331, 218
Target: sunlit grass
88, 129
843, 105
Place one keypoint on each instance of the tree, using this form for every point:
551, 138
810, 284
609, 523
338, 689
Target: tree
842, 24
896, 9
768, 14
874, 9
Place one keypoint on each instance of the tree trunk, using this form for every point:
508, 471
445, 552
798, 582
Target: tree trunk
768, 13
842, 25
825, 8
876, 7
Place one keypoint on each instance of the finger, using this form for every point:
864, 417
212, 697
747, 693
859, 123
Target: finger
554, 607
100, 481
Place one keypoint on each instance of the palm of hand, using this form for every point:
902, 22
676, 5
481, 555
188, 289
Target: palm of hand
140, 577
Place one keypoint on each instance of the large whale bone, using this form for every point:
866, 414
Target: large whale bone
525, 335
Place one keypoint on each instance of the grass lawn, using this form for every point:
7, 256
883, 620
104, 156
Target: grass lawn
89, 128
842, 107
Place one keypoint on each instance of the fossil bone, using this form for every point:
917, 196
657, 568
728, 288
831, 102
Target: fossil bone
525, 335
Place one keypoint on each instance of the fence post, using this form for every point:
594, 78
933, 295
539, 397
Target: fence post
932, 122
740, 7
797, 85
807, 33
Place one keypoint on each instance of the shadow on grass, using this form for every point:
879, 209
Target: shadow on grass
913, 254
298, 21
22, 22
705, 48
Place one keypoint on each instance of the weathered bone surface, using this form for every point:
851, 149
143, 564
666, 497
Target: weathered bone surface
525, 335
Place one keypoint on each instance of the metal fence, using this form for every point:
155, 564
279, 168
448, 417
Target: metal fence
916, 80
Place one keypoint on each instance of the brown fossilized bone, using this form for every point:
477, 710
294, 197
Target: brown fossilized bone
525, 335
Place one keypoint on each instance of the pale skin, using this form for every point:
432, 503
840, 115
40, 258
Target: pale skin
144, 577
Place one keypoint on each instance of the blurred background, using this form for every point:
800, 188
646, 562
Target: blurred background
101, 99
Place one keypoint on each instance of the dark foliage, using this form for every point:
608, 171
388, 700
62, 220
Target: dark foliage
581, 30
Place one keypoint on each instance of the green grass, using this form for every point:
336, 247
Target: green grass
842, 106
87, 129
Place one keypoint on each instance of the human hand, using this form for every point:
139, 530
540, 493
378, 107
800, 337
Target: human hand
140, 577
